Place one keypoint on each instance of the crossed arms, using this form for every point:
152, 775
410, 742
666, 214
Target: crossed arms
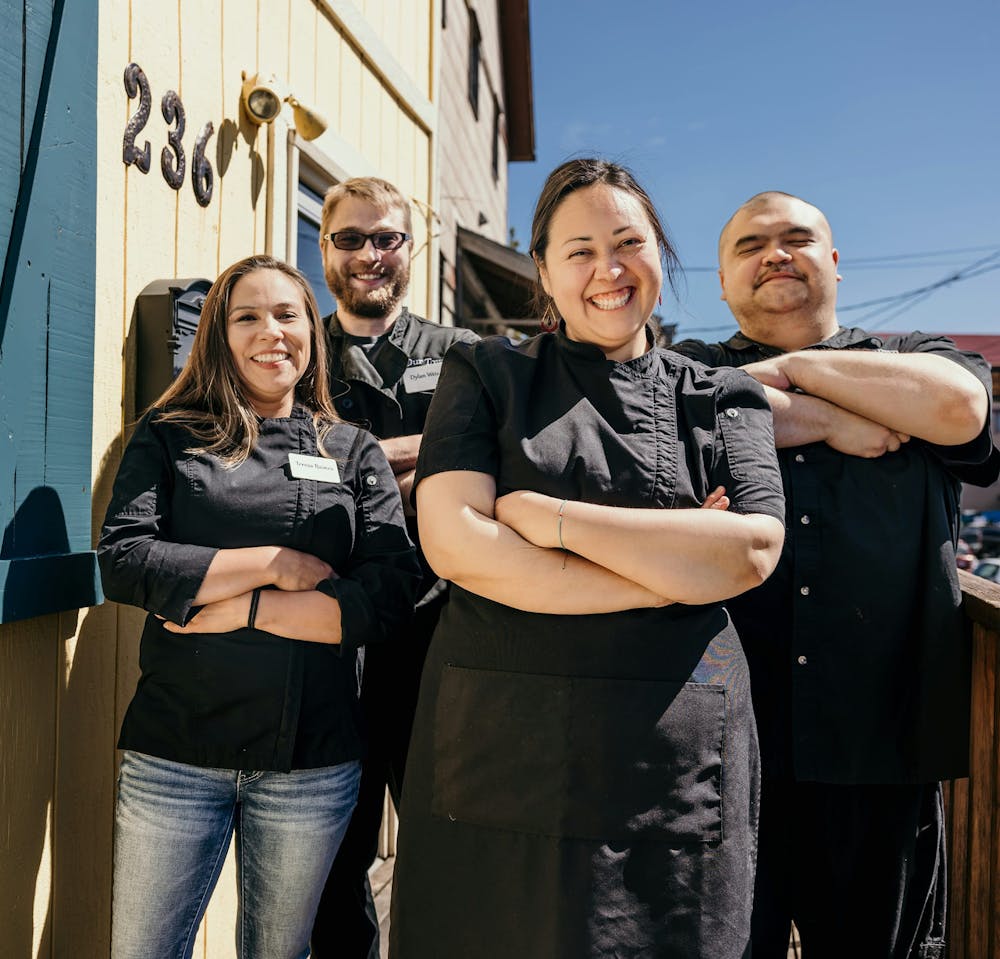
866, 403
295, 609
615, 558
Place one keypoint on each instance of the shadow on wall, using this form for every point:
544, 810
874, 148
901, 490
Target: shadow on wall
38, 530
59, 714
38, 527
28, 720
39, 571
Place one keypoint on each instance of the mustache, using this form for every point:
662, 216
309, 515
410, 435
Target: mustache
776, 271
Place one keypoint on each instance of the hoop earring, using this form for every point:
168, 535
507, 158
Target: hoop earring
549, 321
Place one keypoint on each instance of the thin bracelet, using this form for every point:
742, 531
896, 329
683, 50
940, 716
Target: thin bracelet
254, 601
562, 545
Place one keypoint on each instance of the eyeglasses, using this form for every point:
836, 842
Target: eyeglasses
352, 240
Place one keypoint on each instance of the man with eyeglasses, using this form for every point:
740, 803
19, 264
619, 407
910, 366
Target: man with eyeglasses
384, 366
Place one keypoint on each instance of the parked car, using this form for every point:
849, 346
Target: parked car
982, 538
991, 540
964, 557
988, 568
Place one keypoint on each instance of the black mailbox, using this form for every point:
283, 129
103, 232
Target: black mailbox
166, 317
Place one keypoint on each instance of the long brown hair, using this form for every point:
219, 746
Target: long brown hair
576, 175
208, 398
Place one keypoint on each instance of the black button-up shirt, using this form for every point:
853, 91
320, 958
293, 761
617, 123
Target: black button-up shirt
248, 699
556, 416
387, 386
859, 665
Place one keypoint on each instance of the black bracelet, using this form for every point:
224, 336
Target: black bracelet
254, 601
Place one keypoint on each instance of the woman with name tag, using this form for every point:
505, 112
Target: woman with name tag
582, 780
266, 540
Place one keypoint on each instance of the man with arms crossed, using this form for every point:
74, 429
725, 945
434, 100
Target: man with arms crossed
858, 662
384, 365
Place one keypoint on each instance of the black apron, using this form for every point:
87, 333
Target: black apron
585, 785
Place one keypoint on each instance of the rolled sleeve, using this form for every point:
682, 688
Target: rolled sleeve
461, 428
139, 565
745, 461
378, 590
978, 461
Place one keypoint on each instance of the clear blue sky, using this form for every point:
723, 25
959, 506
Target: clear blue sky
886, 115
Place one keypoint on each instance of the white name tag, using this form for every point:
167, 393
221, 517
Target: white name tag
422, 375
314, 468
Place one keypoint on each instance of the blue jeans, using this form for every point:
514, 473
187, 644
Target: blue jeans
173, 825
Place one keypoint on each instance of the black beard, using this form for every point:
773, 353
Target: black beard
371, 304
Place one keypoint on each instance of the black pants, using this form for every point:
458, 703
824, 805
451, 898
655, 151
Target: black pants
346, 926
860, 869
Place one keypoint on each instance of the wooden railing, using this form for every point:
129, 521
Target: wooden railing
973, 804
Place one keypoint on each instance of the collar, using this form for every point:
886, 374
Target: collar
845, 338
591, 353
272, 424
395, 332
356, 365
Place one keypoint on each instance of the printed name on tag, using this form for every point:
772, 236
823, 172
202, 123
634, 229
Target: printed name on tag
422, 375
314, 468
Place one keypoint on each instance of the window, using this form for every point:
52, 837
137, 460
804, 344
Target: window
307, 254
311, 172
475, 42
496, 139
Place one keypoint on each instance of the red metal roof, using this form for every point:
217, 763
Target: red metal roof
987, 344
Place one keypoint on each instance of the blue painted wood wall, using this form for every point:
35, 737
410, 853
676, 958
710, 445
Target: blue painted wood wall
48, 145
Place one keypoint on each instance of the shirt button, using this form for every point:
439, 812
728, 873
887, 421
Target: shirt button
371, 479
804, 590
732, 414
799, 458
802, 660
805, 520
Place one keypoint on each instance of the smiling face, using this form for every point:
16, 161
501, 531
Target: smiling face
778, 270
602, 269
269, 334
368, 284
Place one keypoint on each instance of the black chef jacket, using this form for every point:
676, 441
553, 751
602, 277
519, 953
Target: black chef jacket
664, 431
387, 387
248, 699
534, 759
858, 661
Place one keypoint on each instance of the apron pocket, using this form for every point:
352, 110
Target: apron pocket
581, 757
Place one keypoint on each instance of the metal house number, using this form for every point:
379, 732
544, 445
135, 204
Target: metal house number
173, 161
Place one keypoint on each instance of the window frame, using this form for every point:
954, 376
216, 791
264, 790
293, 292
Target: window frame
475, 62
495, 159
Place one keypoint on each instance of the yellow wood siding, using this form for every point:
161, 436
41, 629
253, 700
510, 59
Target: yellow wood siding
65, 680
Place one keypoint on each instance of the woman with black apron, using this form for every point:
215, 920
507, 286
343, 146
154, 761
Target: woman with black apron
583, 776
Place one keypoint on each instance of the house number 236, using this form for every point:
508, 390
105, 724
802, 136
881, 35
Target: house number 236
173, 162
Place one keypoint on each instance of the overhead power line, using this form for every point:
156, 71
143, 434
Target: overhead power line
889, 307
730, 327
973, 269
895, 257
898, 260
